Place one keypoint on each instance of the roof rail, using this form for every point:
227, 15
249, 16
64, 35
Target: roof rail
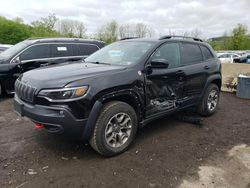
179, 36
35, 38
127, 38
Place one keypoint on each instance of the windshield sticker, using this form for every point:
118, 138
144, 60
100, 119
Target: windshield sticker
116, 53
61, 48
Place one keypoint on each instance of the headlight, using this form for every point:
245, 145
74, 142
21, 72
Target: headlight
64, 94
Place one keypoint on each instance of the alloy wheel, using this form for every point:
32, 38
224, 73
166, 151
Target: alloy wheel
212, 100
118, 130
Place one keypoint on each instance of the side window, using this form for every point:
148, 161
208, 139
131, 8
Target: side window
61, 50
86, 49
36, 52
191, 54
76, 50
170, 52
206, 53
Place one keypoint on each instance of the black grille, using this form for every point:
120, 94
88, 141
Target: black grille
25, 91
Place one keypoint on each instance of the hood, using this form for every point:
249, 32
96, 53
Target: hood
2, 61
60, 75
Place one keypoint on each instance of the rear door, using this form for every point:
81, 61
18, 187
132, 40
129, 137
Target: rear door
61, 52
195, 70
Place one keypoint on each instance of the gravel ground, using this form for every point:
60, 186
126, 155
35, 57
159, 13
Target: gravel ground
166, 153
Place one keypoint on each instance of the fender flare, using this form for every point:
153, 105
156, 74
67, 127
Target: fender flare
93, 115
98, 105
208, 82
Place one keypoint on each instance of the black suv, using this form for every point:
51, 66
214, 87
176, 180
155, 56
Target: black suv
121, 87
34, 53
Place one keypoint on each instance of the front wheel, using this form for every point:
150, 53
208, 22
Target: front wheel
115, 129
210, 101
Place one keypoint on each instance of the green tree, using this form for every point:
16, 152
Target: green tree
71, 28
142, 30
45, 27
108, 32
18, 20
239, 37
12, 32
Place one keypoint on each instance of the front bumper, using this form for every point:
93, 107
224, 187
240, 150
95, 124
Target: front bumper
55, 119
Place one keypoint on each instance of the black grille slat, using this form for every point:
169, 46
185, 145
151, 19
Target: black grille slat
25, 91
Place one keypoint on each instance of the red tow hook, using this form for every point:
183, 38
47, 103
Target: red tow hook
38, 126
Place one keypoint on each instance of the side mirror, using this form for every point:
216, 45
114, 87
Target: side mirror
16, 60
159, 63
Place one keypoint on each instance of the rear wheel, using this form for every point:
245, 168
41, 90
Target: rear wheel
210, 101
115, 129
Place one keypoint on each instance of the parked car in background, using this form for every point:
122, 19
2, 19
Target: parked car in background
248, 59
4, 47
227, 57
34, 53
243, 59
121, 87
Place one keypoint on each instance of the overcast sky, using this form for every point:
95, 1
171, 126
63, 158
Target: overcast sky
212, 17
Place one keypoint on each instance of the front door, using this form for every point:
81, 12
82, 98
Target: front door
31, 58
164, 86
34, 57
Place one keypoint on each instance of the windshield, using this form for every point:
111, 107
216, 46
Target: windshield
120, 53
10, 52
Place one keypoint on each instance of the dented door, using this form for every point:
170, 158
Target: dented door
164, 87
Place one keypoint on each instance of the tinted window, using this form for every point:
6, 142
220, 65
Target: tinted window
206, 53
87, 49
62, 50
12, 51
36, 52
76, 50
191, 53
170, 52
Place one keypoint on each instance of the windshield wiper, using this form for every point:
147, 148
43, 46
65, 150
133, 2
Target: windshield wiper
97, 62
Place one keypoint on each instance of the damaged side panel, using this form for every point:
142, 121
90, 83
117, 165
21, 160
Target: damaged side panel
163, 92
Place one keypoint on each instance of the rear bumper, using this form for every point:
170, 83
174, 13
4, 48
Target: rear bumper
54, 119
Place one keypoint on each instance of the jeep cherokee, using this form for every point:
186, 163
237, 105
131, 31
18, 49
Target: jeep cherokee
121, 87
35, 53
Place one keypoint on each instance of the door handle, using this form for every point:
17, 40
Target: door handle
206, 67
165, 77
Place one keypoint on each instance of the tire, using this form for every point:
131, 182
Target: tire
210, 101
115, 129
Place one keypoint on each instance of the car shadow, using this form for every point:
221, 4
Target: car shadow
66, 145
6, 97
